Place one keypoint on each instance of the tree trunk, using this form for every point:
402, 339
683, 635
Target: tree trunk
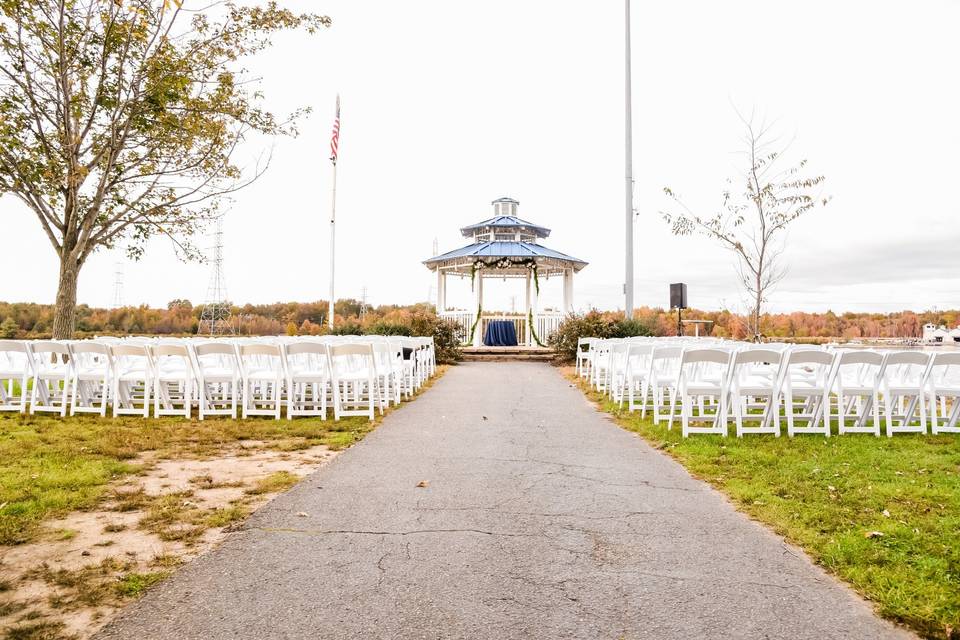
757, 307
65, 312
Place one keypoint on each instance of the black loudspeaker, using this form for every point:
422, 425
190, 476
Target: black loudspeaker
678, 296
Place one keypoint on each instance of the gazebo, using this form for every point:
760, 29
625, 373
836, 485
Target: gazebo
505, 246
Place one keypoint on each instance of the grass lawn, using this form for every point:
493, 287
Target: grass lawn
882, 513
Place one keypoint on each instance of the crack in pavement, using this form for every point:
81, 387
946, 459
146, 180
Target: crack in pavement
325, 532
568, 514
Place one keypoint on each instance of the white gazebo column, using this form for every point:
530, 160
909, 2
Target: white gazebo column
535, 307
567, 291
441, 291
527, 339
477, 306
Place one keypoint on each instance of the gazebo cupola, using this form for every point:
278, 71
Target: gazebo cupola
506, 246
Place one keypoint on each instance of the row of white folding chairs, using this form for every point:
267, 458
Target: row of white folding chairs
755, 384
357, 374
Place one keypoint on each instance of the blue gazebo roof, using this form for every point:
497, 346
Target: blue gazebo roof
505, 222
507, 243
519, 250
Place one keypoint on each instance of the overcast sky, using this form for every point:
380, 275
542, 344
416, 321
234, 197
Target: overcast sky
448, 105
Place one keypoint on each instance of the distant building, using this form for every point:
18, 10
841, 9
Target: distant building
939, 334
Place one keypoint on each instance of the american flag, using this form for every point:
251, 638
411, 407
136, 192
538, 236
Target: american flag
335, 136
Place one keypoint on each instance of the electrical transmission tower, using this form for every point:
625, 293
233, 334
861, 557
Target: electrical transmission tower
363, 302
117, 301
215, 316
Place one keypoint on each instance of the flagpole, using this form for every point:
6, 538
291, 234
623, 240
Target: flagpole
333, 229
334, 152
628, 232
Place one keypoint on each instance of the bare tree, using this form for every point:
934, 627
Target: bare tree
119, 119
751, 222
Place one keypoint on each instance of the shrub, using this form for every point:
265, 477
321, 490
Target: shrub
9, 328
446, 342
593, 324
419, 324
348, 329
388, 329
629, 328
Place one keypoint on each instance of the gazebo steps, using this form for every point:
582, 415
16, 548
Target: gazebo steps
488, 354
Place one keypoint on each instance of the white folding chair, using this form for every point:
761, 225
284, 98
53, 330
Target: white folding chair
308, 379
943, 387
703, 373
806, 378
617, 371
132, 379
353, 371
261, 370
389, 355
637, 376
16, 372
430, 345
856, 386
755, 390
397, 368
218, 378
52, 369
600, 364
662, 378
90, 381
409, 347
584, 356
902, 384
174, 380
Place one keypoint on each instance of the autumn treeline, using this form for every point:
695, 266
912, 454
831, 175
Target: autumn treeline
180, 317
800, 325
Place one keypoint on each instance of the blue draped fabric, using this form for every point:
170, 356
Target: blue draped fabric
500, 333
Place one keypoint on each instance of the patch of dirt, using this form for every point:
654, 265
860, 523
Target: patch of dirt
90, 563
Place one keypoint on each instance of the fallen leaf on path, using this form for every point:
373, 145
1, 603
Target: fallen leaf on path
423, 484
873, 534
484, 417
302, 514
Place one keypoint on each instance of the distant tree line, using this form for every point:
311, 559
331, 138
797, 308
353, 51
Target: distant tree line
180, 317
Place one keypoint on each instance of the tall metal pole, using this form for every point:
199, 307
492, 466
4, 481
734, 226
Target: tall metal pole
333, 229
628, 280
334, 152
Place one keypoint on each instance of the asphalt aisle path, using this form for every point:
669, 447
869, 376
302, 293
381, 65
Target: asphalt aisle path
541, 519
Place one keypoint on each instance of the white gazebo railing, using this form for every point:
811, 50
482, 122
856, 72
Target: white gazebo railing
544, 324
